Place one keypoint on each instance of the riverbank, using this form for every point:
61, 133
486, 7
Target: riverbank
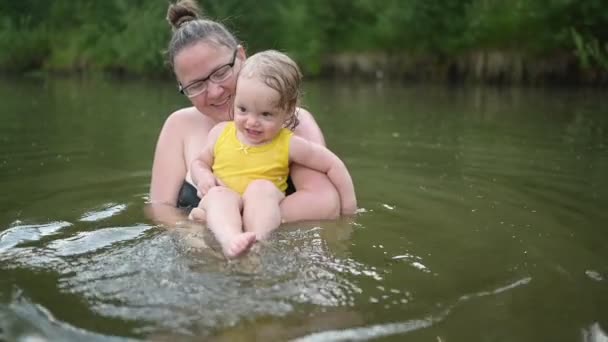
494, 67
479, 67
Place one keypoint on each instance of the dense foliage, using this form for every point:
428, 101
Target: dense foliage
130, 35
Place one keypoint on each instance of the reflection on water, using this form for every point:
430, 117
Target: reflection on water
483, 215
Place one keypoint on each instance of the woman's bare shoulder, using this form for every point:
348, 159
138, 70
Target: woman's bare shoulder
308, 127
187, 119
188, 115
304, 114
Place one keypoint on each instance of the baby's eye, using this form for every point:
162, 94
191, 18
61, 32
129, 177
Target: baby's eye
267, 114
240, 109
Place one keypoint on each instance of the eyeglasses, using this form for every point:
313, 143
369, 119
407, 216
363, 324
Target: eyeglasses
218, 75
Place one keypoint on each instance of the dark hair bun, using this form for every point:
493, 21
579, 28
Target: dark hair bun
182, 12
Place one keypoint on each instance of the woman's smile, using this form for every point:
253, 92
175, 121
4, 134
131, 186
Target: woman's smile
223, 102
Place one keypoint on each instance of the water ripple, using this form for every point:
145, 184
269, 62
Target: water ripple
367, 333
388, 329
108, 210
22, 320
90, 241
18, 234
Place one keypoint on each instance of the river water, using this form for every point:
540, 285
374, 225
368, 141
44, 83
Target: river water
484, 218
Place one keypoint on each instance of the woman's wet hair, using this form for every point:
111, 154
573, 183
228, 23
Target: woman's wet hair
189, 27
279, 72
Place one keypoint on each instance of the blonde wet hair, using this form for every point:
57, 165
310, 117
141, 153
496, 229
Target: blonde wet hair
281, 73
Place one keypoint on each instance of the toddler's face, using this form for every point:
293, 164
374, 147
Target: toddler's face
256, 115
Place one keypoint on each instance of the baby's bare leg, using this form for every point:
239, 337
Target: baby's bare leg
223, 213
261, 212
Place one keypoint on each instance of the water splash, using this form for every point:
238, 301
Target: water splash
153, 277
594, 333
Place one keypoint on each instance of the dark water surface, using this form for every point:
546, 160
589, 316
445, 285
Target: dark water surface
484, 218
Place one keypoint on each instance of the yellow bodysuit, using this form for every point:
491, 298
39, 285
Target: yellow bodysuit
237, 164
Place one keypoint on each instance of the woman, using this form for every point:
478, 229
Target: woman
206, 58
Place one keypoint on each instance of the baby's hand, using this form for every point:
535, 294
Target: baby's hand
205, 184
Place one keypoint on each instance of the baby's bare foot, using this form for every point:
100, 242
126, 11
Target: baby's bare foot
239, 244
198, 214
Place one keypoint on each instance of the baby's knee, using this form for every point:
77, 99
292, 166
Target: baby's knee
220, 191
220, 194
261, 187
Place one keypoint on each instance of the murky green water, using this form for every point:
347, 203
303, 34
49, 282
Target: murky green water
485, 220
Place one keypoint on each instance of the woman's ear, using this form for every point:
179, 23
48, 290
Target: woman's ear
241, 53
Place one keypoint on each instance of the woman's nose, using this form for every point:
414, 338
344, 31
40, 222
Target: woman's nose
214, 90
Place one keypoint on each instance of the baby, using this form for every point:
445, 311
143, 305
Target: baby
242, 171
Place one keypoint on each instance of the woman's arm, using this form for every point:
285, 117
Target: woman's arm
169, 167
315, 198
168, 173
318, 157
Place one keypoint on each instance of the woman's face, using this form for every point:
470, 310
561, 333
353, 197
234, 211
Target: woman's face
200, 61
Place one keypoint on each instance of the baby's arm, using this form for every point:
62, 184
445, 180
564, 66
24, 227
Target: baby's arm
320, 158
201, 167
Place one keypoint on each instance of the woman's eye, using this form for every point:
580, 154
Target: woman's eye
197, 85
220, 72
